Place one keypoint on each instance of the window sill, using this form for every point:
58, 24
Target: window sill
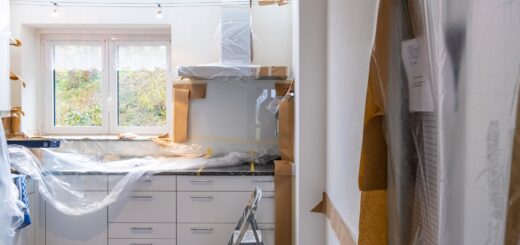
98, 137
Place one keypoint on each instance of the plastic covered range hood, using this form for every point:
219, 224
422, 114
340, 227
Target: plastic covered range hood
236, 48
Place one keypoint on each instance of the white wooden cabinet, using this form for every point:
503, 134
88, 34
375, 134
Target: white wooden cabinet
209, 207
160, 210
90, 229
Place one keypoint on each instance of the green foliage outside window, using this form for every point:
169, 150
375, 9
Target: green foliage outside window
78, 97
142, 97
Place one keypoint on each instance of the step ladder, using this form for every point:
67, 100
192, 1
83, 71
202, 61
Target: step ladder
242, 235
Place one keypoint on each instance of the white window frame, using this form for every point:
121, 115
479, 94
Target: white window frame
109, 83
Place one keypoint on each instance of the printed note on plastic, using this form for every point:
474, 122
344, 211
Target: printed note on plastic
419, 86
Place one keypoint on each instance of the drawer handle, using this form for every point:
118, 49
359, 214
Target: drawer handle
266, 229
268, 197
201, 229
262, 181
201, 197
146, 181
201, 181
141, 243
141, 197
141, 229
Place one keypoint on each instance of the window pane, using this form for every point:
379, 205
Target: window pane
142, 76
78, 85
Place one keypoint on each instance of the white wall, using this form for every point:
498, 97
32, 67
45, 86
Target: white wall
350, 34
194, 32
309, 42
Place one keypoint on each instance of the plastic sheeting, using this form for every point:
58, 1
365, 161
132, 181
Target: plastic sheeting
450, 120
59, 174
11, 215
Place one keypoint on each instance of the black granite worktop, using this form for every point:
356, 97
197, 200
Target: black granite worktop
240, 170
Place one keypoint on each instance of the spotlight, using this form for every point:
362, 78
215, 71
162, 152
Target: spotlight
159, 13
55, 13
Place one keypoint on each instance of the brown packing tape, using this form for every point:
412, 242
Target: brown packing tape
373, 164
197, 90
180, 115
286, 127
372, 171
283, 180
282, 87
279, 72
266, 2
6, 123
263, 71
513, 211
373, 218
340, 228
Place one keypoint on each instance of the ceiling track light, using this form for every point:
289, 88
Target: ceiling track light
159, 13
55, 12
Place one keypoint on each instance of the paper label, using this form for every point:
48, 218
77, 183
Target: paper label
419, 86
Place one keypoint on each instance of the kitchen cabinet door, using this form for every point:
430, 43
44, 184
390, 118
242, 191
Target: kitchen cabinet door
90, 229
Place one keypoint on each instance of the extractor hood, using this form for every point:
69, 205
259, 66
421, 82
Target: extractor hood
236, 48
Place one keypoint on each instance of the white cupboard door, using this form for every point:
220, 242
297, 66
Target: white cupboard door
90, 229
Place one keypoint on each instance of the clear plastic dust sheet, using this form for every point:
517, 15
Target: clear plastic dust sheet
451, 97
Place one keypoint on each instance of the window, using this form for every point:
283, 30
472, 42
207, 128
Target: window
106, 85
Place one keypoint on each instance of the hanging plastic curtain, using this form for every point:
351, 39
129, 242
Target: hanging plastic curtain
452, 99
11, 215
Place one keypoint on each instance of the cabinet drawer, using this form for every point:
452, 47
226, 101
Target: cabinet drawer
225, 183
144, 207
221, 207
204, 234
141, 242
267, 233
150, 183
141, 230
85, 182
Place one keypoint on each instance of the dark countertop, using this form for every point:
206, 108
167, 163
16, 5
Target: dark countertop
241, 170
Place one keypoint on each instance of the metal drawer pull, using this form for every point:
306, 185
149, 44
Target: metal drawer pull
269, 197
141, 197
146, 181
266, 229
141, 244
201, 197
141, 229
201, 181
201, 229
263, 181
